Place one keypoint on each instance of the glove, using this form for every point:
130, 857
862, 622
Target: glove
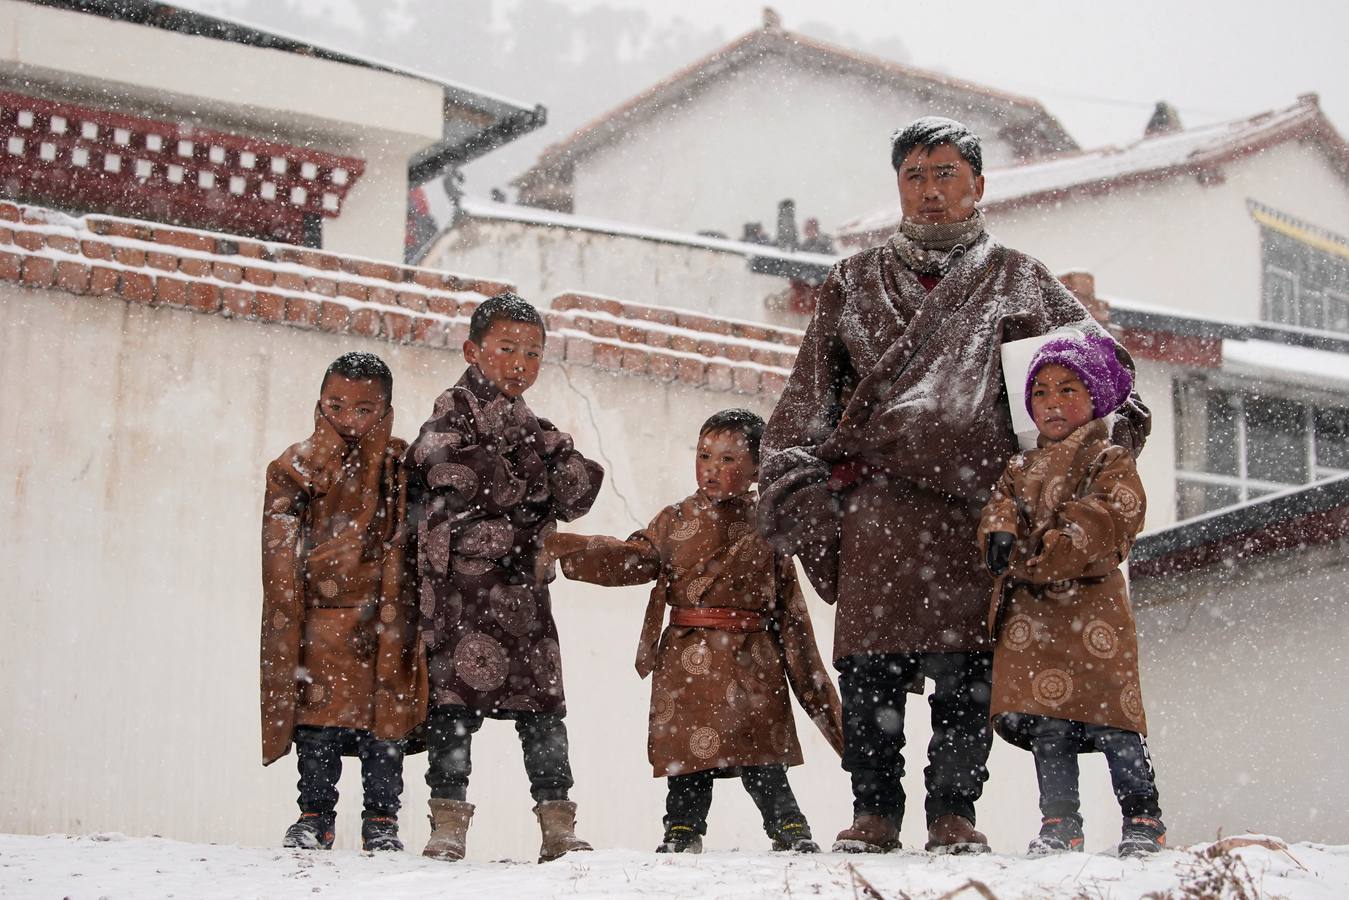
999, 556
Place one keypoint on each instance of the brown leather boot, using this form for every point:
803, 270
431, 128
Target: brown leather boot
955, 834
557, 821
869, 833
449, 826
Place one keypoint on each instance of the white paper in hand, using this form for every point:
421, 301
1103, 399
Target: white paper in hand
1016, 357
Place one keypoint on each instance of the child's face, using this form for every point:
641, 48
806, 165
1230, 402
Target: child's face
509, 356
352, 407
1059, 402
725, 467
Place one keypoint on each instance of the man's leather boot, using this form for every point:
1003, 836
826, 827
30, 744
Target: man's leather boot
557, 821
449, 827
955, 834
869, 833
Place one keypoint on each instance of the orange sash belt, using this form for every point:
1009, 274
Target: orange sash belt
737, 621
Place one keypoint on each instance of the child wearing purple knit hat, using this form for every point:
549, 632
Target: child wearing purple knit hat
1061, 522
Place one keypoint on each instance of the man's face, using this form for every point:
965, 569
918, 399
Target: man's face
724, 466
937, 186
509, 356
1059, 402
352, 407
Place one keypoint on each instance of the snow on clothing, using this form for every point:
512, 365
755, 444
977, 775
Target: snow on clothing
1066, 645
739, 634
904, 388
490, 481
339, 638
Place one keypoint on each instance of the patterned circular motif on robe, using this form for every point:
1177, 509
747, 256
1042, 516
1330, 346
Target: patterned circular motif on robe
436, 545
279, 619
514, 607
1061, 590
1125, 500
460, 479
695, 660
1018, 632
1100, 639
481, 662
328, 588
447, 697
281, 504
507, 489
764, 651
488, 539
662, 707
436, 440
467, 565
1054, 492
737, 530
427, 598
781, 737
571, 481
315, 693
704, 742
1052, 687
388, 613
1131, 701
491, 416
684, 529
1076, 534
736, 696
547, 665
519, 703
697, 587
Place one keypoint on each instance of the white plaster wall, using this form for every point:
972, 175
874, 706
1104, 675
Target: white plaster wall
380, 116
1244, 668
1157, 462
544, 261
1179, 244
765, 132
130, 569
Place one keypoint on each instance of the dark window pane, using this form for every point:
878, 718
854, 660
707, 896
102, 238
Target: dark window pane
1332, 438
1221, 444
1279, 300
1337, 313
1217, 496
1276, 441
1309, 304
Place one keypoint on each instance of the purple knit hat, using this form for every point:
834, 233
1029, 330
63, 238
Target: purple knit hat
1092, 358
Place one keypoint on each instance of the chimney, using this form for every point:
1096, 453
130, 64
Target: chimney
771, 20
1165, 119
1082, 285
786, 236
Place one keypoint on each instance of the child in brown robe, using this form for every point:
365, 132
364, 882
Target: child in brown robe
739, 633
489, 481
1061, 522
343, 670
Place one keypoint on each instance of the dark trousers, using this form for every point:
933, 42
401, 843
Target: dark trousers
1056, 744
690, 797
319, 751
873, 688
449, 742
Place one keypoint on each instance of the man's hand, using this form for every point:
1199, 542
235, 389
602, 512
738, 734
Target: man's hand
999, 553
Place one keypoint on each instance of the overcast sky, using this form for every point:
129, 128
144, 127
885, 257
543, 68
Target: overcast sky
1098, 65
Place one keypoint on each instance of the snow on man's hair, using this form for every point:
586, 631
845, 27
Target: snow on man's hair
361, 366
933, 131
507, 305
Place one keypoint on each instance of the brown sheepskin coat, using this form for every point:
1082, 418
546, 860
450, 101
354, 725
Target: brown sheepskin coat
489, 482
1066, 645
339, 631
719, 699
892, 429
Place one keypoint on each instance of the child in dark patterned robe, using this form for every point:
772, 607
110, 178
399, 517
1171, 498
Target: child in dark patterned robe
739, 634
488, 481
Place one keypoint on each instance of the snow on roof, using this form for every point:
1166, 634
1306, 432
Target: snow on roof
1281, 362
1178, 153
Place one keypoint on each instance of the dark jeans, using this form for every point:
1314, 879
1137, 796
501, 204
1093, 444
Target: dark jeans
449, 742
690, 797
873, 690
1056, 743
319, 752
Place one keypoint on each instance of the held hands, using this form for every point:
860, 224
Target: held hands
999, 551
554, 547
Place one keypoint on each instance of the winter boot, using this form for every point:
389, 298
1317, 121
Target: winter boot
1142, 835
1058, 834
312, 831
681, 839
793, 836
557, 821
380, 833
449, 826
955, 834
869, 833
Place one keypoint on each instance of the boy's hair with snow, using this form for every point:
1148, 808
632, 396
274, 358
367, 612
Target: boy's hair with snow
361, 366
933, 131
739, 421
507, 305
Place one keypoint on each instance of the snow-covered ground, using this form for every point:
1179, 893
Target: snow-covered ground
115, 866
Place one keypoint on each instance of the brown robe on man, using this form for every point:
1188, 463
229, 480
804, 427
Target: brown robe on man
340, 645
719, 690
1066, 642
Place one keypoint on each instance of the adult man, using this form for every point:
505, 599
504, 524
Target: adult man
877, 459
